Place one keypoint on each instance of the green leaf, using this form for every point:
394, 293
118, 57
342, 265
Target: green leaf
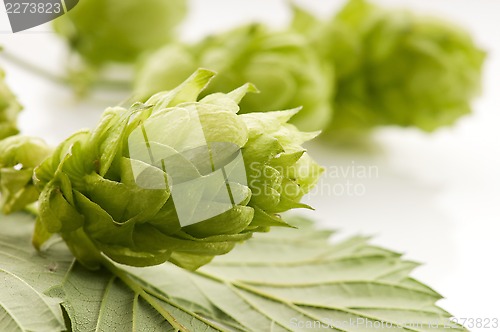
110, 304
288, 280
295, 278
26, 275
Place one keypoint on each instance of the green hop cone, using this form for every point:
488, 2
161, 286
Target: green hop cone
285, 69
9, 109
173, 179
396, 68
19, 155
104, 31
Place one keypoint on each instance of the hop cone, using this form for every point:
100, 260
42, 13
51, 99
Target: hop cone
9, 109
119, 30
395, 68
19, 155
173, 179
281, 64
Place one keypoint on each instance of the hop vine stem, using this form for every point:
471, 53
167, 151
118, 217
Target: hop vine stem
32, 209
58, 79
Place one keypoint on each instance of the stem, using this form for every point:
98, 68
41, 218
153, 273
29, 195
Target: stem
32, 209
60, 80
41, 72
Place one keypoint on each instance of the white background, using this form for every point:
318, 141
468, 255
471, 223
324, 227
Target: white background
435, 198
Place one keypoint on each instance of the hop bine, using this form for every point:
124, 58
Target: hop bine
173, 179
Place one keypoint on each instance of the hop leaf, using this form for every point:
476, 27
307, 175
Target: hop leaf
281, 64
119, 30
287, 280
19, 155
395, 68
9, 109
173, 179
